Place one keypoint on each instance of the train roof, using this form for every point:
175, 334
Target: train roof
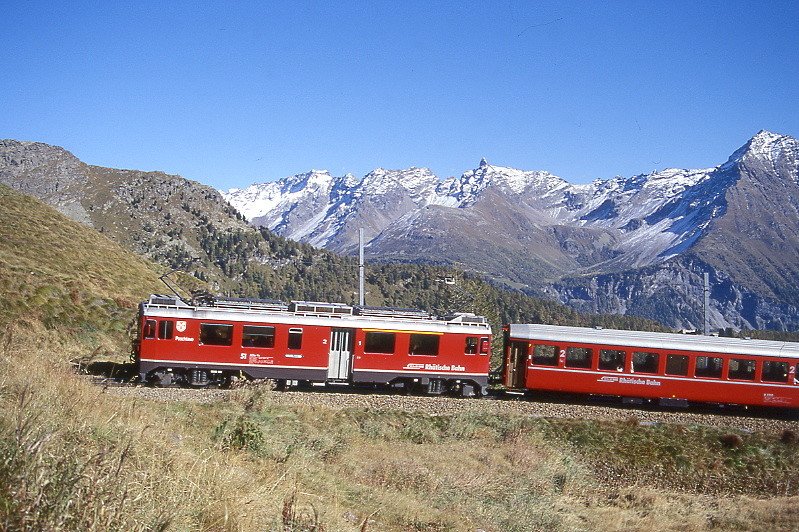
680, 342
313, 313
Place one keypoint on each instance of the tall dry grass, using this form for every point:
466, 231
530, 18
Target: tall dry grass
75, 458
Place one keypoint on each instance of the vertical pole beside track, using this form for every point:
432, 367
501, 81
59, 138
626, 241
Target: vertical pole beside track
360, 267
706, 277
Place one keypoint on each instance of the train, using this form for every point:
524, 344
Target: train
215, 341
303, 342
670, 369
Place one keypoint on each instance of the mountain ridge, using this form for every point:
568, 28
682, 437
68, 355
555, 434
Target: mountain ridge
534, 229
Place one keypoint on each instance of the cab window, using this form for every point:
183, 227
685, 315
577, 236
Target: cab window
149, 329
471, 345
165, 329
216, 334
258, 336
379, 342
423, 344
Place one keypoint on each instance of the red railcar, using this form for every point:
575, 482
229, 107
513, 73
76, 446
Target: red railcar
671, 368
312, 342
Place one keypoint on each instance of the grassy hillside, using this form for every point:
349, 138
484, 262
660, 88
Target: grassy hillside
70, 457
68, 278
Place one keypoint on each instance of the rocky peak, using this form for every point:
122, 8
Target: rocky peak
415, 180
768, 148
24, 155
313, 180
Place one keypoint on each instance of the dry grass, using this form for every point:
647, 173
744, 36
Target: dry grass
76, 458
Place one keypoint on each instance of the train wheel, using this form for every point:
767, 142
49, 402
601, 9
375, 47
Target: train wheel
162, 379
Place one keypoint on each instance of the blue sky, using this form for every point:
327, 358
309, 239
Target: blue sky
236, 92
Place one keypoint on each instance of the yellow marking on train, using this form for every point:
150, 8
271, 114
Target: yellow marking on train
398, 331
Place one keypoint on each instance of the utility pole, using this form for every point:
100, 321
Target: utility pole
360, 267
706, 277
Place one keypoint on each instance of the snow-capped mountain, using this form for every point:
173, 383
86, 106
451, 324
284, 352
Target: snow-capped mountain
652, 217
536, 230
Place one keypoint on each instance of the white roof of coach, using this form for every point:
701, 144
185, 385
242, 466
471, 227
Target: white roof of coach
678, 342
311, 314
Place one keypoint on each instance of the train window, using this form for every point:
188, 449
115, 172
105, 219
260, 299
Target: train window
423, 344
741, 369
545, 355
471, 345
295, 338
708, 367
774, 371
149, 329
165, 328
612, 359
579, 357
216, 334
379, 342
677, 365
258, 336
645, 362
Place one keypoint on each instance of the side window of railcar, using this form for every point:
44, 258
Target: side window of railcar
612, 359
677, 365
149, 329
645, 362
165, 328
774, 371
258, 336
295, 338
708, 367
741, 369
423, 344
216, 334
380, 342
579, 357
471, 345
545, 355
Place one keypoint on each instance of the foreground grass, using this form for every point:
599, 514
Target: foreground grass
75, 458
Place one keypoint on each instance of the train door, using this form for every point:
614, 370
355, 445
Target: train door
340, 359
516, 364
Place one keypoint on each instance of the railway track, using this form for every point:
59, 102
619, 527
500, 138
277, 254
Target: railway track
545, 406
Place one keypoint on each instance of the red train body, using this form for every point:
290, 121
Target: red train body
673, 369
319, 343
324, 344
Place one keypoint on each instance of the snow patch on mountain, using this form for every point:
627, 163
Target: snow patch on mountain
655, 216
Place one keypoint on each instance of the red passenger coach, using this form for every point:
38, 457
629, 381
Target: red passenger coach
671, 368
311, 342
